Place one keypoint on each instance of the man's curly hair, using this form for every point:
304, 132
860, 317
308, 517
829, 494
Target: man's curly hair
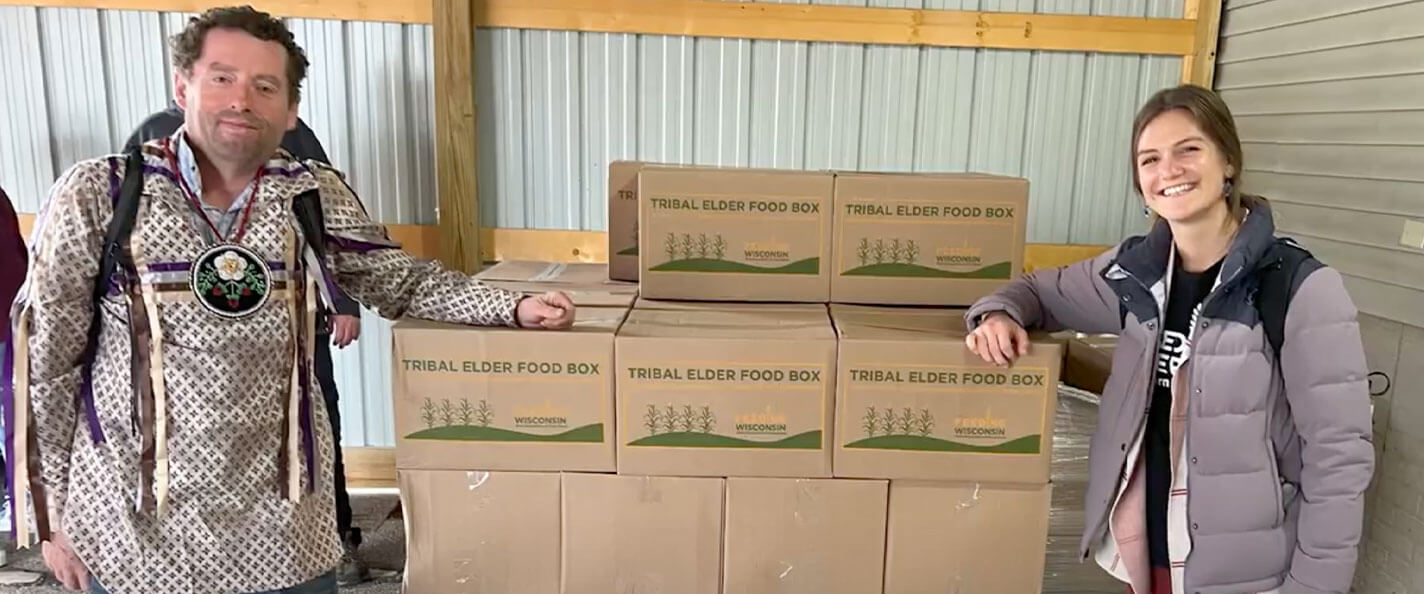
188, 44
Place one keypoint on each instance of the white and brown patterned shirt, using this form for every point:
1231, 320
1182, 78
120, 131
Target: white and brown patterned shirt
226, 389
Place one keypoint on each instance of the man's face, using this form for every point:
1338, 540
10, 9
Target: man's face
235, 100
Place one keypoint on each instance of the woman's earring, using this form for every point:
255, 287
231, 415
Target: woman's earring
1226, 187
1146, 213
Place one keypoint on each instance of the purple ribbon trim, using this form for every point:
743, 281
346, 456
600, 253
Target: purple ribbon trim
163, 171
170, 266
86, 399
7, 399
186, 266
284, 172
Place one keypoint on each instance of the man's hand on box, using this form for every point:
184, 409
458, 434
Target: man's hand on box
550, 311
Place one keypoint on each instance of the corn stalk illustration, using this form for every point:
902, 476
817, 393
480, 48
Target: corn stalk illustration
879, 251
466, 412
670, 419
671, 246
447, 412
912, 252
484, 415
870, 422
688, 418
652, 420
687, 246
427, 413
719, 247
924, 425
706, 421
862, 251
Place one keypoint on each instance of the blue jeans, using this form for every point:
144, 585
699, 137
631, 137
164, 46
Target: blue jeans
325, 584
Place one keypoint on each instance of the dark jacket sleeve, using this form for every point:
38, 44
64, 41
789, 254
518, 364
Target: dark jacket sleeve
14, 261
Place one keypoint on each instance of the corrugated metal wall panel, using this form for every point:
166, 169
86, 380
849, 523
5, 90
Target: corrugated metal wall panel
1361, 61
75, 84
27, 164
555, 107
1400, 21
609, 115
137, 76
1328, 98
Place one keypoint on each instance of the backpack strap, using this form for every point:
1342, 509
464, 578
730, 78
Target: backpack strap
307, 207
112, 254
1285, 266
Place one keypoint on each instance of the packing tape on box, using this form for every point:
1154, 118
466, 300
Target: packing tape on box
550, 272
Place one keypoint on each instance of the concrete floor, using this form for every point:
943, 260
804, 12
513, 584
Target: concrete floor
384, 530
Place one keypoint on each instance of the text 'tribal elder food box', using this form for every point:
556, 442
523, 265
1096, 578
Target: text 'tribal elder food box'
734, 234
913, 402
486, 398
926, 239
736, 392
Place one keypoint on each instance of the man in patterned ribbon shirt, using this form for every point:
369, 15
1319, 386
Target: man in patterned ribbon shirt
186, 454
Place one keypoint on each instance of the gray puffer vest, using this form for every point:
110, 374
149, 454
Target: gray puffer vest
1279, 444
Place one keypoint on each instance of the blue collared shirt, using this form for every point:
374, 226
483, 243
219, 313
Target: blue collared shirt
224, 220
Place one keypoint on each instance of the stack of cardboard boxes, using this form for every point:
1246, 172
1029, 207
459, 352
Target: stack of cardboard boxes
768, 392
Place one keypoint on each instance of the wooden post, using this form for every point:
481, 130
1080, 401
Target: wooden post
1199, 67
455, 140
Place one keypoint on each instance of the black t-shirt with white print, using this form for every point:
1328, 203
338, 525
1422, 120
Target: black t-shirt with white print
1183, 307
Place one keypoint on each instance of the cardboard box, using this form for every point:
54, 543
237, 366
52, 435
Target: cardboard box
581, 295
966, 537
805, 536
585, 283
736, 392
734, 234
490, 398
641, 534
539, 271
472, 531
1088, 362
623, 220
670, 305
941, 239
913, 402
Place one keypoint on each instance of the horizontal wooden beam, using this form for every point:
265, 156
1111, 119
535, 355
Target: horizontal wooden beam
369, 467
342, 10
749, 20
847, 24
553, 245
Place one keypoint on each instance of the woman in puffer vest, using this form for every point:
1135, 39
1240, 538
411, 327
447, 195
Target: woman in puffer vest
1218, 465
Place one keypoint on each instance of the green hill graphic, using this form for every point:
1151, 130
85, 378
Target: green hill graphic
1027, 444
632, 251
810, 440
586, 434
807, 266
995, 271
